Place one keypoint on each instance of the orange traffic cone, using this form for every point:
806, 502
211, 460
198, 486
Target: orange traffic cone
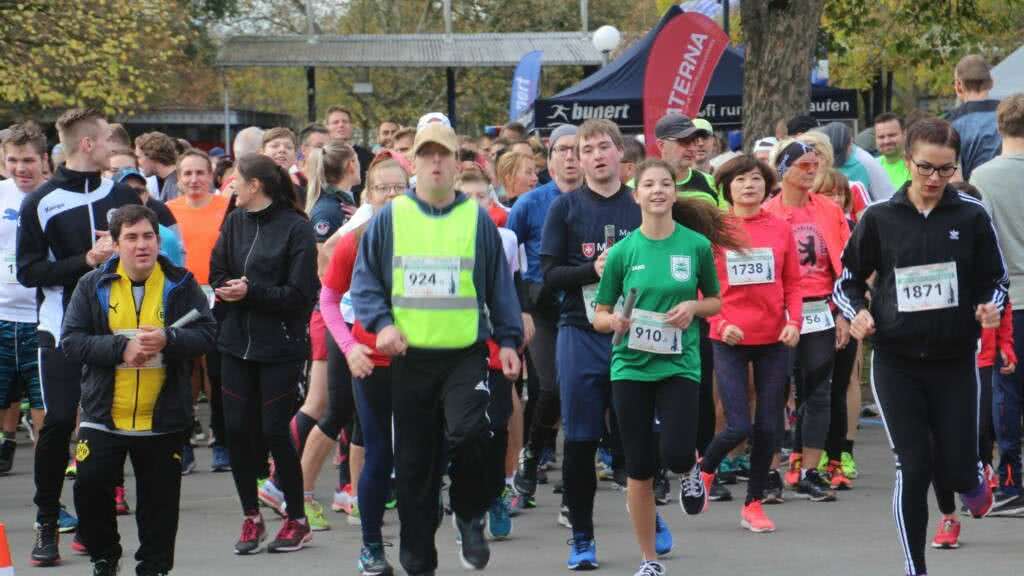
5, 554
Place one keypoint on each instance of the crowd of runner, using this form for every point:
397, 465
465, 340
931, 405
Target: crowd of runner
436, 311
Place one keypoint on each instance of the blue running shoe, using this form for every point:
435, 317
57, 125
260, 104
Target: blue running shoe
499, 517
582, 552
662, 536
66, 523
188, 460
605, 457
221, 460
374, 562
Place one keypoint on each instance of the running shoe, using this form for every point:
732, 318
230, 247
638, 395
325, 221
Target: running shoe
563, 517
993, 478
499, 517
121, 501
343, 500
1007, 505
392, 501
106, 567
823, 464
516, 502
315, 516
719, 493
650, 568
46, 549
221, 460
198, 436
773, 489
662, 488
525, 479
271, 497
78, 547
474, 553
742, 463
849, 465
548, 459
354, 517
254, 532
815, 488
754, 519
72, 470
693, 493
947, 536
793, 472
582, 552
188, 459
979, 499
293, 536
373, 561
605, 473
558, 488
662, 536
66, 523
837, 479
7, 449
726, 473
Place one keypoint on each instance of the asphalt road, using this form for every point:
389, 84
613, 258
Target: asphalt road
854, 536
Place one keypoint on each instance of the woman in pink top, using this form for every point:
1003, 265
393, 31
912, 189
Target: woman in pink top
760, 318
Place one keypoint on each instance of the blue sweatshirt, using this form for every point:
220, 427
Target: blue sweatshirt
495, 290
527, 220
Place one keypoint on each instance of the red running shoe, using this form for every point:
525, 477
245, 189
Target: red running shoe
793, 473
254, 532
754, 519
294, 535
948, 535
837, 478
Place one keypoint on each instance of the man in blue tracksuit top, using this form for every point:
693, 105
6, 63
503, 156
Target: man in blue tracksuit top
527, 221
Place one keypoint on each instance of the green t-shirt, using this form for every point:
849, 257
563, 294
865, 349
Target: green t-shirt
664, 273
896, 169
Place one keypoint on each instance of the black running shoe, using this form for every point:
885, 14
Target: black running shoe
106, 568
46, 550
693, 498
474, 552
662, 488
773, 489
719, 493
815, 488
526, 473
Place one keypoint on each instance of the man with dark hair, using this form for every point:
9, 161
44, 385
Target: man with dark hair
975, 117
339, 123
402, 141
158, 156
797, 125
889, 141
119, 136
632, 155
385, 132
514, 131
126, 325
24, 155
62, 235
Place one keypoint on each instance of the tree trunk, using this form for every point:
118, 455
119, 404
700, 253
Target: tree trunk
781, 36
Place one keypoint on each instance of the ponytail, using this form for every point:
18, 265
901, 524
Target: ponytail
326, 167
277, 183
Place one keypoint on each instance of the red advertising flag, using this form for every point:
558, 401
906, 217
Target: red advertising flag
679, 67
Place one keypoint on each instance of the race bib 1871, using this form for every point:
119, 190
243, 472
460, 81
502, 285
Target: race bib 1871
926, 287
431, 277
649, 332
817, 317
754, 266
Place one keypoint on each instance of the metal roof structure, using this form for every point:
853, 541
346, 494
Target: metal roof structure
408, 50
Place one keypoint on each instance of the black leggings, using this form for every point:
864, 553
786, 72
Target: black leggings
839, 420
816, 353
341, 405
259, 399
706, 415
930, 412
543, 419
674, 402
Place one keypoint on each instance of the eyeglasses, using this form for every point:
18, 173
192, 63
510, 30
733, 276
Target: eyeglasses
564, 151
807, 165
926, 169
393, 189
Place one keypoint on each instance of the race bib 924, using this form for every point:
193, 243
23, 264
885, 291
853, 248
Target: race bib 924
431, 277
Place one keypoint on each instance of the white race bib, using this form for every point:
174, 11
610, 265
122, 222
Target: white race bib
649, 332
589, 297
817, 317
10, 267
927, 287
210, 296
157, 361
348, 313
755, 266
431, 277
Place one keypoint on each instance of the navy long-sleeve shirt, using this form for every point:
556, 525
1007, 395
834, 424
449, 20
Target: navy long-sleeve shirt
500, 313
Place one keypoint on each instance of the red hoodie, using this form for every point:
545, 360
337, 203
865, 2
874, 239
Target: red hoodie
1001, 339
759, 310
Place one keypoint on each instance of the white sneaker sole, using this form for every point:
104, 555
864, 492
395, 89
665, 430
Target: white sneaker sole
749, 526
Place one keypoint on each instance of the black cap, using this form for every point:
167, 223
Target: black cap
799, 124
675, 125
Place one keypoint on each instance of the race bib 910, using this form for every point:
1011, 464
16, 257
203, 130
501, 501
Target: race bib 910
927, 287
755, 266
649, 332
431, 277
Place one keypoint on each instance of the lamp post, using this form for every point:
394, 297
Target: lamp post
606, 39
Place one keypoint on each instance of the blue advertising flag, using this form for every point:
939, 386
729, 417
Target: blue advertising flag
525, 85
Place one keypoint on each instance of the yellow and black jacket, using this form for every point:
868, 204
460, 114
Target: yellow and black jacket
97, 326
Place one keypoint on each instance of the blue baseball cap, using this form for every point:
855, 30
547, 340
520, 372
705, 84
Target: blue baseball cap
216, 152
126, 173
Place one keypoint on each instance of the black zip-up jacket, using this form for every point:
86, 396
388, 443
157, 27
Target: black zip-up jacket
275, 251
893, 234
58, 226
89, 340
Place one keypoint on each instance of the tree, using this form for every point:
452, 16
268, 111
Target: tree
781, 36
110, 54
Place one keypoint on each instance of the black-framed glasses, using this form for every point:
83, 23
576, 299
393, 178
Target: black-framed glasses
393, 189
926, 169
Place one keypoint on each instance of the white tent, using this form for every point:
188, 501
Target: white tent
1008, 75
